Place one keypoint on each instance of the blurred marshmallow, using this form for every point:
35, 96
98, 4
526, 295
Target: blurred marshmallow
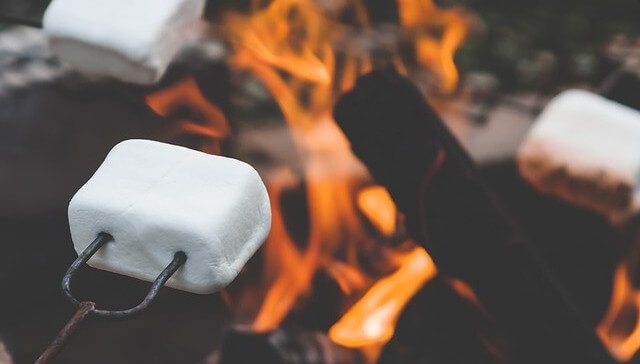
156, 199
585, 149
131, 40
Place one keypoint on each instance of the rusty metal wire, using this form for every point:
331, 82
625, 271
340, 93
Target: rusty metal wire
85, 309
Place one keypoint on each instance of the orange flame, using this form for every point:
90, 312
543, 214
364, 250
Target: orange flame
290, 35
621, 338
371, 321
294, 37
282, 257
424, 18
332, 216
291, 46
187, 94
376, 203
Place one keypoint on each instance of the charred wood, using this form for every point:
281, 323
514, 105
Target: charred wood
283, 346
440, 326
454, 213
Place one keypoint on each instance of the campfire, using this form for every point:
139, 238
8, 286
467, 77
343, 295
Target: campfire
388, 242
305, 54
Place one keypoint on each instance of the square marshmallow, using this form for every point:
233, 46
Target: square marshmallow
585, 149
156, 199
131, 40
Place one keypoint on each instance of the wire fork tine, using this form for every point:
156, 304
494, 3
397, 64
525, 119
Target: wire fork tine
88, 308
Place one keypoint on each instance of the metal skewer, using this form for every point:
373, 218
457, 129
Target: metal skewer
86, 309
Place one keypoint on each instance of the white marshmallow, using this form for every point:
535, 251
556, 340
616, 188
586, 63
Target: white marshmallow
131, 40
156, 199
585, 149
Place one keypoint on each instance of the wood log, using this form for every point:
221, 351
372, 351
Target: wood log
452, 211
440, 326
283, 346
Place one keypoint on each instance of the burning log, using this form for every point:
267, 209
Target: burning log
451, 210
440, 326
371, 320
283, 346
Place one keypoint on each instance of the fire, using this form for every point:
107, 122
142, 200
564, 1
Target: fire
423, 18
290, 269
289, 35
187, 94
621, 338
288, 45
332, 216
371, 321
296, 49
376, 203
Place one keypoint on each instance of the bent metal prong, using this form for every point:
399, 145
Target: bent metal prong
87, 308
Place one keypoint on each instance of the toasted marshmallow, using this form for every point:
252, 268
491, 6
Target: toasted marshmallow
130, 40
156, 199
585, 149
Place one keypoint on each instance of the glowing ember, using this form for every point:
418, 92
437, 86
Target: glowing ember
371, 321
376, 203
621, 338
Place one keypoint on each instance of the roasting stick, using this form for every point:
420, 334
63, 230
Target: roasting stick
151, 203
86, 309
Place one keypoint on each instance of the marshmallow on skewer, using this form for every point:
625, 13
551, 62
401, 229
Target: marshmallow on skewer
131, 40
156, 199
585, 149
